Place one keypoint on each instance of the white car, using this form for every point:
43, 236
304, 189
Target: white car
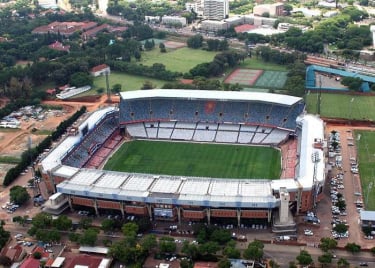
308, 232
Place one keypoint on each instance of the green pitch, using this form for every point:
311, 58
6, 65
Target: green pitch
365, 141
196, 159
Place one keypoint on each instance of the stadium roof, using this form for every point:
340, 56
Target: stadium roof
312, 133
53, 159
211, 95
169, 189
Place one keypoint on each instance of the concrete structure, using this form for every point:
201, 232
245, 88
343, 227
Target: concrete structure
174, 20
367, 219
196, 6
178, 198
213, 25
372, 29
216, 9
274, 10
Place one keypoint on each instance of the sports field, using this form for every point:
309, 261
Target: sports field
271, 79
365, 141
340, 105
196, 159
245, 77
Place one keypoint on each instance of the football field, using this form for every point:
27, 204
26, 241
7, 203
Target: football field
196, 159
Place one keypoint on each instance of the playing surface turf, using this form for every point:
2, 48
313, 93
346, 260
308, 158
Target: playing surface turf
196, 159
365, 141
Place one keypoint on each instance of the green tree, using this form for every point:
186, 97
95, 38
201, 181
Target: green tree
81, 79
224, 263
292, 264
195, 41
325, 259
5, 261
37, 255
130, 229
108, 225
4, 235
85, 223
116, 88
149, 242
341, 228
62, 223
167, 245
327, 243
343, 263
19, 195
304, 258
89, 237
353, 247
254, 250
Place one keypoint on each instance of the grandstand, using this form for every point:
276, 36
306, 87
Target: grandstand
196, 116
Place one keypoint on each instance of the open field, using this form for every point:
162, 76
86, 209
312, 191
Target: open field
178, 60
338, 105
254, 63
127, 81
196, 159
366, 160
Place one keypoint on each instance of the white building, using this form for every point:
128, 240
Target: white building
273, 10
197, 7
174, 20
216, 9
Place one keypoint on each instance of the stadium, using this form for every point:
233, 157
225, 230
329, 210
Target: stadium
73, 169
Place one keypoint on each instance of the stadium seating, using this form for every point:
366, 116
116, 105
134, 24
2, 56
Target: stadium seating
255, 113
92, 141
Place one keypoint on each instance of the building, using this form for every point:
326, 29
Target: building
216, 9
213, 25
274, 10
65, 28
174, 21
367, 219
180, 198
59, 46
100, 70
196, 6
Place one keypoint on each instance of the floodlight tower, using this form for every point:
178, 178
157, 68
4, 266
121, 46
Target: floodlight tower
372, 29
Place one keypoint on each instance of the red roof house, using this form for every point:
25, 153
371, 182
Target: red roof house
100, 69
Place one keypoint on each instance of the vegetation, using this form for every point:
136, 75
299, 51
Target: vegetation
4, 235
365, 141
304, 258
19, 195
204, 160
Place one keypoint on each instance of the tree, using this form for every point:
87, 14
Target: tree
149, 242
353, 247
85, 223
224, 263
304, 258
326, 258
62, 223
81, 79
116, 88
5, 261
327, 243
353, 83
292, 264
37, 255
372, 250
195, 41
130, 229
89, 237
342, 263
341, 228
167, 245
4, 235
108, 225
147, 85
162, 48
19, 195
254, 251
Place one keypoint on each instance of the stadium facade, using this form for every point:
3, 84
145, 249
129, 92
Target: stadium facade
73, 166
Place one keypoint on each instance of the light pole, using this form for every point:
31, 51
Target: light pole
368, 191
351, 110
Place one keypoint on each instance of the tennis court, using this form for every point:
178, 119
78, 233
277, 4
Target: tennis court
271, 79
246, 77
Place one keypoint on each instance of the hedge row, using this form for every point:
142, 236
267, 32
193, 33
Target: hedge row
29, 156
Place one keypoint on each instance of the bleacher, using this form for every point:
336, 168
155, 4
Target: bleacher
255, 113
235, 121
92, 142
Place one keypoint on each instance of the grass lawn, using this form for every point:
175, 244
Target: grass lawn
178, 60
254, 63
127, 81
196, 159
366, 160
342, 106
